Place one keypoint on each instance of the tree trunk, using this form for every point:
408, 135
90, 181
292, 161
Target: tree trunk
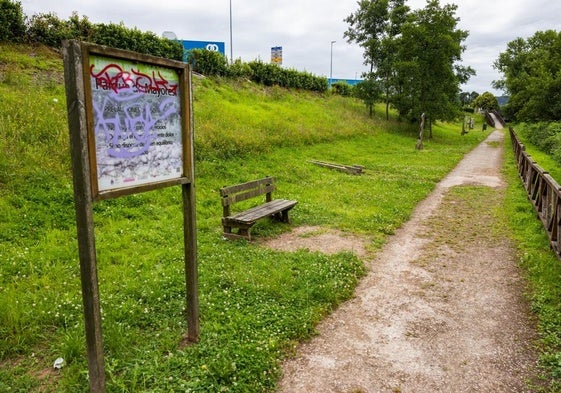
419, 145
430, 127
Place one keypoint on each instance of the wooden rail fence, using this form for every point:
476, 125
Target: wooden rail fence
543, 191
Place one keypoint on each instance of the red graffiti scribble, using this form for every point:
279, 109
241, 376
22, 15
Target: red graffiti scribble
113, 77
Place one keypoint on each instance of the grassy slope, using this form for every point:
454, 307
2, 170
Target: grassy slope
255, 303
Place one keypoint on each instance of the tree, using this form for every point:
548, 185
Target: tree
531, 72
486, 101
12, 21
369, 92
428, 74
467, 98
375, 26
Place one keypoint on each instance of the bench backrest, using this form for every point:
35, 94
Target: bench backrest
243, 191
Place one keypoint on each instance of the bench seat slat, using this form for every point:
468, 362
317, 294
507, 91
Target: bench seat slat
267, 209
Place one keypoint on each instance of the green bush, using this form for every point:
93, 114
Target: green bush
122, 37
208, 62
48, 29
12, 21
545, 136
342, 88
274, 75
239, 69
211, 63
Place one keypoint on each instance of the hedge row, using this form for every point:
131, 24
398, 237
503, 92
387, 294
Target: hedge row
215, 64
546, 136
48, 29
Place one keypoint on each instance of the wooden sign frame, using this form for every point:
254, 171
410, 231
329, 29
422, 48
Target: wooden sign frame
138, 120
131, 130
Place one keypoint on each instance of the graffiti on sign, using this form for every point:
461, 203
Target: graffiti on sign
137, 125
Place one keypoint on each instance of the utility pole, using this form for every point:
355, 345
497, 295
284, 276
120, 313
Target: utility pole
331, 64
231, 45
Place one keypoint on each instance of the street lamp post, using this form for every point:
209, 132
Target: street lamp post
231, 47
331, 64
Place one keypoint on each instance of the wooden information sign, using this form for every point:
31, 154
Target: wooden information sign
131, 130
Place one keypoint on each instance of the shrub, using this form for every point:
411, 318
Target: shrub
342, 88
119, 36
12, 21
209, 63
239, 69
369, 91
80, 28
545, 136
274, 75
49, 30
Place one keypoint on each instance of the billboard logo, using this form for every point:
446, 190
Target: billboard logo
213, 46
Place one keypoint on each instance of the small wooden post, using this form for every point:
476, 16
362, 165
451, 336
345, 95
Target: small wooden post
419, 145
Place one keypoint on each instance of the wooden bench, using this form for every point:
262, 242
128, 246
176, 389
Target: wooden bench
243, 221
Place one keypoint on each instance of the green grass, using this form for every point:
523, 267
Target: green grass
256, 303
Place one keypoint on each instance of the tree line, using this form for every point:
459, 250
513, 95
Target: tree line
413, 57
531, 70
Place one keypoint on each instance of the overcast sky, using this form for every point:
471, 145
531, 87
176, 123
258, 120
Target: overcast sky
305, 28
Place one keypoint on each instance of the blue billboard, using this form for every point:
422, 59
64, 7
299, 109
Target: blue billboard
208, 45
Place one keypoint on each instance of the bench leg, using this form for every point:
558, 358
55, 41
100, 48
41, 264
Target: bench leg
242, 233
281, 216
245, 232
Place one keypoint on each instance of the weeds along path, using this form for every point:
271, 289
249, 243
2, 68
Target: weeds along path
442, 308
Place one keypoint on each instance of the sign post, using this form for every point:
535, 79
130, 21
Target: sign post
131, 130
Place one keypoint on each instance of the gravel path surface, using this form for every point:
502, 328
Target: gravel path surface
442, 308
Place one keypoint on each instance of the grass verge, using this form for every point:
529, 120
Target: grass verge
542, 268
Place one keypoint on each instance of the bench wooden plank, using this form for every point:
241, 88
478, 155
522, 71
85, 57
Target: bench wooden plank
265, 210
250, 185
231, 198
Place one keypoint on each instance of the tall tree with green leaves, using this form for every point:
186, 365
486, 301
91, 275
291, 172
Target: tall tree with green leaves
374, 26
387, 67
531, 72
12, 21
428, 71
486, 101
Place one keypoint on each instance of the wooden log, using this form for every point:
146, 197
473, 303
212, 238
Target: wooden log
350, 169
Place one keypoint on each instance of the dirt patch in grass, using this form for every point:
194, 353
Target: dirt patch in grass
313, 238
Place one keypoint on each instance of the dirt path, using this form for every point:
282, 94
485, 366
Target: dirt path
442, 308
